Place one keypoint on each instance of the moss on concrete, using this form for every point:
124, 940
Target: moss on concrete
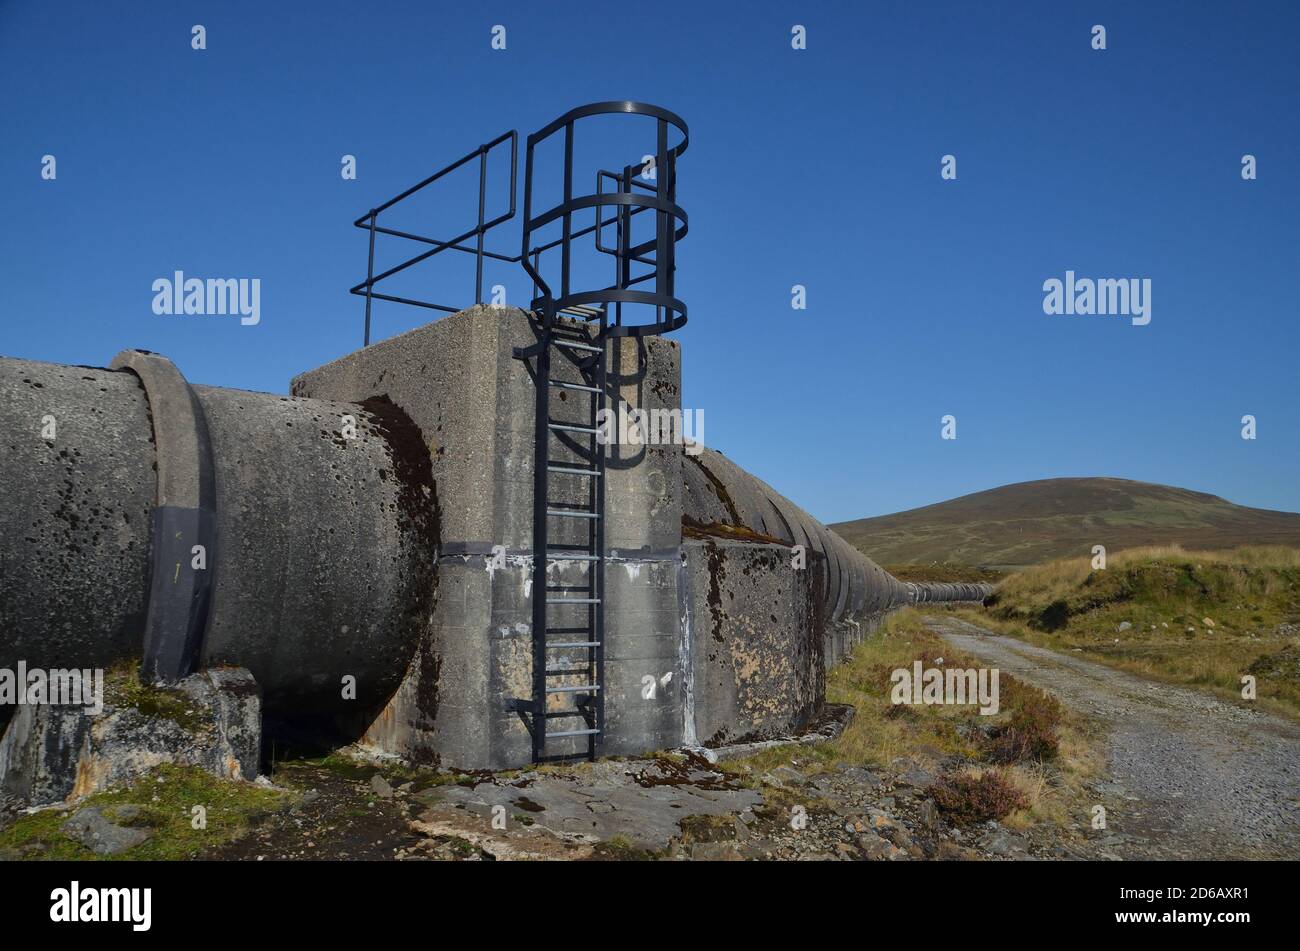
123, 689
166, 798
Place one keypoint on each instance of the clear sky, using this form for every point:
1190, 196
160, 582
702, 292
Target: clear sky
818, 167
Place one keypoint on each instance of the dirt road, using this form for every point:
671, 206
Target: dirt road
1189, 776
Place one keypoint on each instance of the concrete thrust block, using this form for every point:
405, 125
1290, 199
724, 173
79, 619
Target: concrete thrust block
212, 720
753, 628
459, 383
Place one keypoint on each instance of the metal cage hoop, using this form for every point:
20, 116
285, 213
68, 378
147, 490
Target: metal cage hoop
671, 224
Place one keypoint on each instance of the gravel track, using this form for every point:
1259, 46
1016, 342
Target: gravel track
1190, 776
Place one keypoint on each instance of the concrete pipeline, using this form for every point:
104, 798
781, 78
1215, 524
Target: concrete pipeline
322, 553
952, 591
373, 529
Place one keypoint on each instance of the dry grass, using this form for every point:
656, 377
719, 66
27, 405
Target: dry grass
1196, 618
1246, 572
937, 737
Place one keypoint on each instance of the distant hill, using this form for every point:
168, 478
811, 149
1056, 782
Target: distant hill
1031, 522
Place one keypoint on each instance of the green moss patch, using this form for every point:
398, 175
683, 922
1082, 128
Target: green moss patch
165, 800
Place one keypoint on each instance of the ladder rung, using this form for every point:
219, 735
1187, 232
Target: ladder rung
575, 689
594, 473
565, 513
573, 557
574, 345
569, 427
572, 733
575, 386
573, 600
561, 671
572, 644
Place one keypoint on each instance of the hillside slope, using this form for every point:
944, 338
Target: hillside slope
1032, 522
1198, 618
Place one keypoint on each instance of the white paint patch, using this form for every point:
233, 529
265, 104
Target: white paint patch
512, 561
689, 738
583, 566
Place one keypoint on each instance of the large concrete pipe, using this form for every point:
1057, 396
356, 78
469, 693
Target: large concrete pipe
926, 592
720, 496
77, 467
324, 530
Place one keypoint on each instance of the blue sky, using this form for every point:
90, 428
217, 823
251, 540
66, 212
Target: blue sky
817, 167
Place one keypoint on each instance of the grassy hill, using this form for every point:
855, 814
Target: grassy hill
1029, 523
1197, 618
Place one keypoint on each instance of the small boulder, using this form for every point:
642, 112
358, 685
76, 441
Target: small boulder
91, 829
1004, 843
880, 820
381, 787
783, 777
716, 852
309, 797
122, 814
916, 777
878, 849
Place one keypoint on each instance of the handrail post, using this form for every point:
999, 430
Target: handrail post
568, 217
482, 180
663, 222
370, 275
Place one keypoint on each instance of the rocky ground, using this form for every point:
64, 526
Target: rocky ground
1188, 775
671, 807
678, 807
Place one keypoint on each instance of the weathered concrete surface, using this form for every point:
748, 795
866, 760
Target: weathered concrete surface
211, 720
447, 377
753, 627
643, 802
643, 506
74, 562
722, 499
177, 428
182, 517
458, 380
326, 546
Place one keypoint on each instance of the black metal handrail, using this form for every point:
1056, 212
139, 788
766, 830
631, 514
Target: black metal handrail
658, 253
369, 221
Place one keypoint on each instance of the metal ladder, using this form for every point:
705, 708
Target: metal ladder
567, 345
